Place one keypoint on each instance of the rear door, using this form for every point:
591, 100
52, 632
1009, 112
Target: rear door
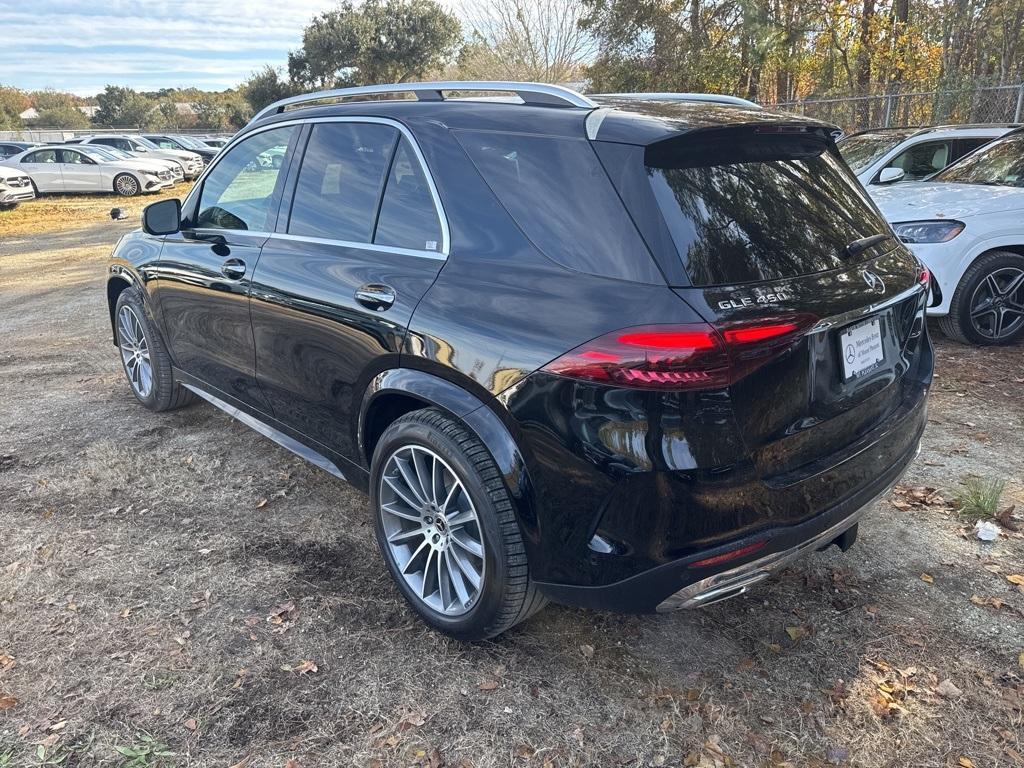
205, 270
43, 166
357, 245
774, 233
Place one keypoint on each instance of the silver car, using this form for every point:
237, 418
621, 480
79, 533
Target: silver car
191, 163
61, 169
15, 187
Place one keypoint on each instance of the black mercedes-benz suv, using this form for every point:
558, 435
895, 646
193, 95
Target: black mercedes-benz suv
627, 354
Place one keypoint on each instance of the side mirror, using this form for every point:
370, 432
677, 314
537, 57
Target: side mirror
891, 175
162, 217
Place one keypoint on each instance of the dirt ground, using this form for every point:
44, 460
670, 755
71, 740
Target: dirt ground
177, 591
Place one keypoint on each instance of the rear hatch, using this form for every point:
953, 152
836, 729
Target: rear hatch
782, 251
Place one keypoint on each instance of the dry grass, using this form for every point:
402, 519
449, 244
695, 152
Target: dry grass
54, 213
163, 577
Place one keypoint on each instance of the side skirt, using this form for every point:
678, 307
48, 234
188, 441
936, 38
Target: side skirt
279, 437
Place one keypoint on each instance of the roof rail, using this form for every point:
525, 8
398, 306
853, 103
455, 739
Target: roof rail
531, 93
717, 98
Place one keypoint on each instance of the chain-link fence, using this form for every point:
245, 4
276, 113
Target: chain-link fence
969, 104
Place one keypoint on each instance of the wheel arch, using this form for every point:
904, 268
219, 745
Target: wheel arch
116, 285
395, 392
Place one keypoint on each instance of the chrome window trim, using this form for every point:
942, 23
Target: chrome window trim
442, 252
436, 255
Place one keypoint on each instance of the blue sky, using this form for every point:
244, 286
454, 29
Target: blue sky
82, 46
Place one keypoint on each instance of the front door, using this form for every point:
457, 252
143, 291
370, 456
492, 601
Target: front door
205, 270
80, 173
336, 286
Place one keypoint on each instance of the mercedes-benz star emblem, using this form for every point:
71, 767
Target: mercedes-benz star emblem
874, 281
851, 355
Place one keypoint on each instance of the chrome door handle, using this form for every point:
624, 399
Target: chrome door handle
233, 269
376, 296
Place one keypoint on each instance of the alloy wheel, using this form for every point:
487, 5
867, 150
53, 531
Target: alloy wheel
134, 351
432, 530
997, 304
126, 185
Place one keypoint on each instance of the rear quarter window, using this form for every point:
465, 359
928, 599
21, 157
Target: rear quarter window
561, 198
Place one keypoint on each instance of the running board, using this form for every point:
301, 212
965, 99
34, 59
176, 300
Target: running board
279, 437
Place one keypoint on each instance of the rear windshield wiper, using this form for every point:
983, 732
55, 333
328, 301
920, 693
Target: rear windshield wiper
859, 246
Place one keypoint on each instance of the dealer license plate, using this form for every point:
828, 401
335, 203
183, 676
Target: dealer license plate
860, 347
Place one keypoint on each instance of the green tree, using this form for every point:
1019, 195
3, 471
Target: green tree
12, 103
119, 106
265, 87
58, 110
380, 41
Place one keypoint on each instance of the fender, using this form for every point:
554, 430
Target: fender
950, 274
478, 417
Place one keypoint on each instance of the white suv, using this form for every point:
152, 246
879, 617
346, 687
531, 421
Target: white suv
966, 223
889, 155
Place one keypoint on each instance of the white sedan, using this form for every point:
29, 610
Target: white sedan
70, 169
966, 223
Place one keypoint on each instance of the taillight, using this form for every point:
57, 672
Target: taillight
727, 556
689, 356
679, 357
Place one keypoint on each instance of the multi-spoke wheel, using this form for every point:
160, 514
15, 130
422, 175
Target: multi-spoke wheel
147, 366
997, 305
988, 305
134, 351
432, 530
126, 185
446, 526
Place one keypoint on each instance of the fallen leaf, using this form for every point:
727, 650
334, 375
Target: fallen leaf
305, 667
525, 751
243, 763
293, 763
795, 633
488, 685
947, 689
6, 661
1020, 660
411, 720
191, 724
995, 602
1016, 578
261, 504
965, 762
6, 702
927, 578
1005, 518
587, 651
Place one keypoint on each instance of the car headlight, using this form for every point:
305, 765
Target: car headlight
940, 231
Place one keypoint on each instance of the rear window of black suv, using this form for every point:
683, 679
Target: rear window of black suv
744, 206
560, 196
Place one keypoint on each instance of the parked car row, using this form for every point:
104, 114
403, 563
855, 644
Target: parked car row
125, 164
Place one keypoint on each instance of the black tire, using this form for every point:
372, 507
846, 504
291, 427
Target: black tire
8, 206
164, 393
126, 185
507, 594
958, 324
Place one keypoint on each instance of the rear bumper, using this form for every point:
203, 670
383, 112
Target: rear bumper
678, 584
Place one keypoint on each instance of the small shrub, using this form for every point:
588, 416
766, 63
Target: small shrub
980, 497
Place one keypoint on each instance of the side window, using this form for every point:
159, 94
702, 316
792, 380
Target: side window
239, 191
340, 182
43, 156
923, 159
408, 218
966, 146
70, 156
